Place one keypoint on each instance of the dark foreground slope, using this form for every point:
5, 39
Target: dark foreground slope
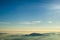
32, 36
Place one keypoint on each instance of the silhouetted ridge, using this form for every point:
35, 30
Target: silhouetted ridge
34, 34
3, 33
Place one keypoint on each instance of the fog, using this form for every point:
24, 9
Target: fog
31, 36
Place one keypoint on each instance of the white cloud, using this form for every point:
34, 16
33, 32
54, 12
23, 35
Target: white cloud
4, 23
25, 23
32, 22
50, 22
55, 7
35, 22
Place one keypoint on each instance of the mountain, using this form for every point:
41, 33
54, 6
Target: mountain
34, 34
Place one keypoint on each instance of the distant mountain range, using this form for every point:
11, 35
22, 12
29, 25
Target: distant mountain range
3, 33
35, 34
38, 34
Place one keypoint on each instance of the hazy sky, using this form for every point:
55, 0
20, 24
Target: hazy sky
29, 14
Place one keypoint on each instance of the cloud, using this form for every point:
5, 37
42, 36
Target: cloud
26, 23
4, 23
32, 22
50, 22
55, 7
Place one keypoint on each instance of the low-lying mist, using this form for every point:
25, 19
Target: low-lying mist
31, 36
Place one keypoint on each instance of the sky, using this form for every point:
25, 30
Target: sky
29, 14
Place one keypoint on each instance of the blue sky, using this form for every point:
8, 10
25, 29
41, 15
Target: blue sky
29, 13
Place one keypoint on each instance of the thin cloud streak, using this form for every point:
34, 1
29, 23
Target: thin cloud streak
4, 23
32, 22
50, 22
